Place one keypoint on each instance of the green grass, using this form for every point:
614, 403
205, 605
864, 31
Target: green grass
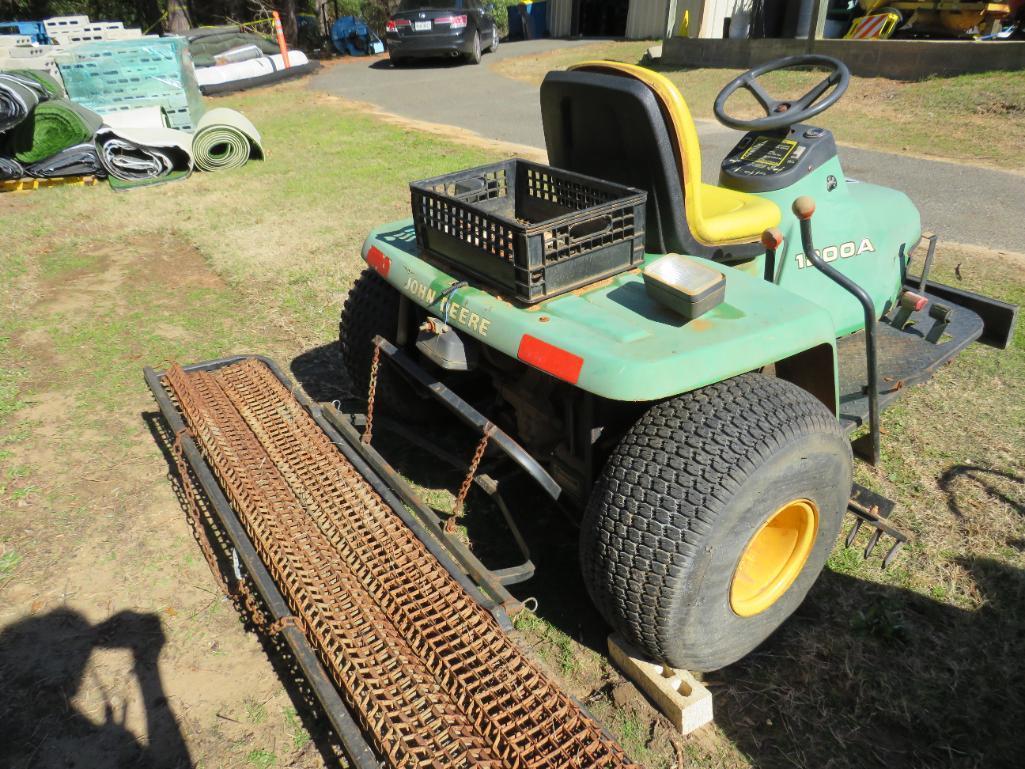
552, 643
297, 733
261, 759
976, 118
9, 561
256, 712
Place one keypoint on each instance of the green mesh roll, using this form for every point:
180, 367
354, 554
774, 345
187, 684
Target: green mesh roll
225, 138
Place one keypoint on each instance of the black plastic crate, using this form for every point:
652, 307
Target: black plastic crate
528, 228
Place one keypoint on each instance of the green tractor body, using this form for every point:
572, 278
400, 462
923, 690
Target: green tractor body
616, 342
705, 447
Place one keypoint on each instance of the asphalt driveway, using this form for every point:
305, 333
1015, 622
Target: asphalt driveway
962, 203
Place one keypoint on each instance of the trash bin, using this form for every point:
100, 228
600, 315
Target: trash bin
515, 22
534, 17
528, 21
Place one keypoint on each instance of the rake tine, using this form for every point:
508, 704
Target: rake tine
872, 542
853, 533
892, 553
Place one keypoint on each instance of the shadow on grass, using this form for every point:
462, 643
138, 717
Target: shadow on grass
870, 675
982, 477
43, 660
321, 374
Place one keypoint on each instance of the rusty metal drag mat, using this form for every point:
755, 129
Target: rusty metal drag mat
426, 674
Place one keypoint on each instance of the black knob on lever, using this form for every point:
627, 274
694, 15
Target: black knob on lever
868, 445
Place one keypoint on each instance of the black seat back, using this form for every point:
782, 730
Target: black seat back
613, 128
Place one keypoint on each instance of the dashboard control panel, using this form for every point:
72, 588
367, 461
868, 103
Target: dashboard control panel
771, 160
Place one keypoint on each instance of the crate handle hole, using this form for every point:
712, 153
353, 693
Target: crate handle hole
590, 228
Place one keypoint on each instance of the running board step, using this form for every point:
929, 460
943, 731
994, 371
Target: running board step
404, 652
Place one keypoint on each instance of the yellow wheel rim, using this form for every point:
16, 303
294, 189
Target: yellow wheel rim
774, 557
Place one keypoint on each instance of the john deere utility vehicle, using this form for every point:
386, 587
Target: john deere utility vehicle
673, 359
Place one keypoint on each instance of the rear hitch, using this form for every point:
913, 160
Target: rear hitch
873, 510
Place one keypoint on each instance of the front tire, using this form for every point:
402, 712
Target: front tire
713, 517
494, 39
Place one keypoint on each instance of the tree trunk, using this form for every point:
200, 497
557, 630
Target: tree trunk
177, 17
323, 14
288, 21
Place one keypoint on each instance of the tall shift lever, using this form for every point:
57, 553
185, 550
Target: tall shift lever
867, 446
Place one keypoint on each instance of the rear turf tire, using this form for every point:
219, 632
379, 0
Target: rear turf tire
684, 493
371, 309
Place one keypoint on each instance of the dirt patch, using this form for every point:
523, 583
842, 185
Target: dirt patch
116, 648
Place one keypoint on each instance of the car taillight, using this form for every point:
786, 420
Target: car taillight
455, 22
394, 24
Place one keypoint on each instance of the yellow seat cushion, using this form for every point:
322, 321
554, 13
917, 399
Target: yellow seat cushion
715, 215
728, 216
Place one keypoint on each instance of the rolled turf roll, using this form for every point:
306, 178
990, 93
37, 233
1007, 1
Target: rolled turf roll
10, 169
225, 138
52, 127
18, 97
80, 160
53, 88
138, 157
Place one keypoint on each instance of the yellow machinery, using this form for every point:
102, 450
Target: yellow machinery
943, 16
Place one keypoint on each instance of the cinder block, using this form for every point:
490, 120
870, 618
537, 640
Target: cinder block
677, 694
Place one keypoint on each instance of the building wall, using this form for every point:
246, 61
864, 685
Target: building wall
646, 19
560, 17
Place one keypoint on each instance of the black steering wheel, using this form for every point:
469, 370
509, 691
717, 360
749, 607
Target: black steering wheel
783, 114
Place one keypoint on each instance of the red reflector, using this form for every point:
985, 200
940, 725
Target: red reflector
377, 260
548, 357
394, 24
455, 21
913, 301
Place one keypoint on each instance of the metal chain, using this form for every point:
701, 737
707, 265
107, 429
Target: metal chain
368, 431
478, 454
193, 513
289, 620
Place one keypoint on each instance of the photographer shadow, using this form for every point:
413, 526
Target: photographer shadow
43, 661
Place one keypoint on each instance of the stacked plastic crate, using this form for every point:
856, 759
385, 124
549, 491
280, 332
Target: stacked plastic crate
72, 30
22, 51
113, 75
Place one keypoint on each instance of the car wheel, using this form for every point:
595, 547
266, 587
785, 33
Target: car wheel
494, 38
713, 517
475, 55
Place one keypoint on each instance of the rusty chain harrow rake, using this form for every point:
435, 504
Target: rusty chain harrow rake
423, 667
